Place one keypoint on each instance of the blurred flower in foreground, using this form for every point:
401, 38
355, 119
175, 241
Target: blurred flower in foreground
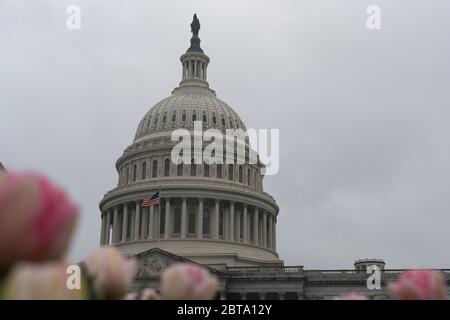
187, 282
149, 294
419, 285
351, 296
36, 219
44, 281
112, 273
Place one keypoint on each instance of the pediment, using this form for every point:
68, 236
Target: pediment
153, 261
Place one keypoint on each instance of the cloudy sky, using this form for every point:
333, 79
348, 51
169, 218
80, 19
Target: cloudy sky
364, 115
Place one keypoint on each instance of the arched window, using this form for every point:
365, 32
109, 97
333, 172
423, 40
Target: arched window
174, 117
219, 171
164, 118
206, 170
180, 170
183, 117
204, 118
194, 117
231, 124
177, 221
206, 222
193, 168
134, 173
248, 177
144, 170
155, 169
166, 167
191, 220
230, 172
241, 174
255, 181
214, 119
127, 181
223, 121
156, 120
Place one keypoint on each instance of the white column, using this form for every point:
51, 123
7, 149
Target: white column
274, 233
115, 225
137, 215
270, 238
102, 231
255, 226
144, 223
167, 220
216, 220
231, 221
245, 227
183, 218
108, 227
151, 222
200, 219
125, 222
264, 229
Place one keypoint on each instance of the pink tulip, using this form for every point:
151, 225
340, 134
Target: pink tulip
351, 296
187, 282
419, 285
36, 219
113, 274
149, 294
44, 281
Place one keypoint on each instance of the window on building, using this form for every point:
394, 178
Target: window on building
223, 121
241, 174
180, 170
230, 172
134, 173
156, 121
219, 171
144, 170
194, 117
155, 169
221, 223
214, 120
162, 220
191, 220
193, 168
183, 117
128, 175
164, 119
206, 222
166, 167
174, 117
177, 220
204, 118
206, 170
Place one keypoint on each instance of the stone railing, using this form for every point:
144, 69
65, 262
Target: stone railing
265, 270
353, 275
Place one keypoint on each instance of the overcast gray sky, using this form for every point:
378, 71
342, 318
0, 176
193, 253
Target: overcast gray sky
364, 115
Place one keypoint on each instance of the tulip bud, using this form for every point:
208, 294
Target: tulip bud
351, 296
36, 219
419, 285
46, 281
112, 273
187, 282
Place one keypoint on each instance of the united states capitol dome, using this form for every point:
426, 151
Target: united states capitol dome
215, 214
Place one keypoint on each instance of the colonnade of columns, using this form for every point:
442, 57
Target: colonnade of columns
200, 218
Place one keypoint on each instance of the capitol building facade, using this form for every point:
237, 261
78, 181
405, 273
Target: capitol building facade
217, 215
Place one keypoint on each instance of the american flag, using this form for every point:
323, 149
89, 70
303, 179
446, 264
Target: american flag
154, 200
